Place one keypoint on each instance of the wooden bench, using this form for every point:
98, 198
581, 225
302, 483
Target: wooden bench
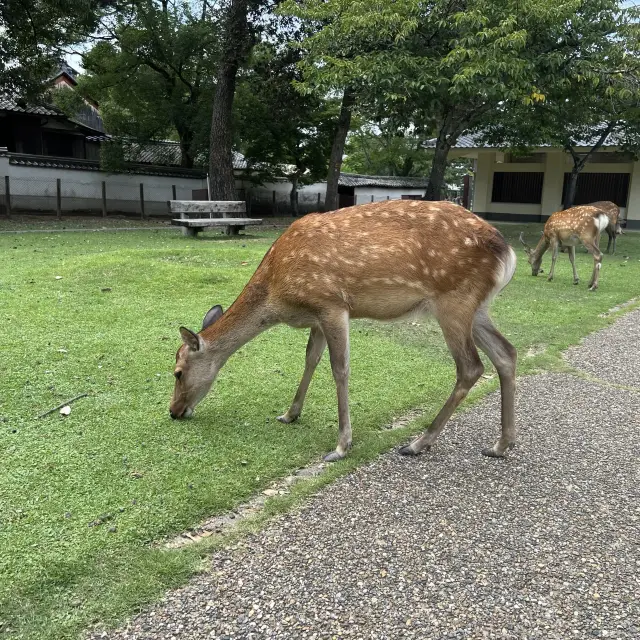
191, 226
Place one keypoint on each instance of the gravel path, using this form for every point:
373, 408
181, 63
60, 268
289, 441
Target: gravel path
611, 354
451, 544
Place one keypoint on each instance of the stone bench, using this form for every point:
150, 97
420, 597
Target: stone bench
191, 226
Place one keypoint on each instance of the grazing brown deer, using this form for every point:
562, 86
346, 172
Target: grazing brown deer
613, 228
383, 261
582, 224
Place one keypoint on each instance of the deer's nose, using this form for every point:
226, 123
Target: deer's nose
173, 415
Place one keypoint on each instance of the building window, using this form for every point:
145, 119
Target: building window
524, 187
592, 187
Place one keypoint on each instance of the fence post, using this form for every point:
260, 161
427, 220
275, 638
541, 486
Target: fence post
371, 198
318, 207
388, 197
173, 191
104, 199
355, 200
7, 197
58, 198
274, 206
142, 200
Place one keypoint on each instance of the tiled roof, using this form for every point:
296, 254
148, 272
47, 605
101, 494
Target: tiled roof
474, 141
9, 105
161, 153
356, 180
27, 160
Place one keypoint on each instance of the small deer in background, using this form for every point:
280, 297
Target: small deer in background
613, 229
582, 224
382, 261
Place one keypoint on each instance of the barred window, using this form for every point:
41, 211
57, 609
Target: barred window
522, 187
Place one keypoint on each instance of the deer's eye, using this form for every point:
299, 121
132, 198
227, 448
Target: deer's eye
178, 374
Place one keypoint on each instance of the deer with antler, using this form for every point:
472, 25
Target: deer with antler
382, 261
567, 228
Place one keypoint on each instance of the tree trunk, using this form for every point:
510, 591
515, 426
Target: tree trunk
293, 196
235, 48
335, 161
185, 138
436, 177
570, 192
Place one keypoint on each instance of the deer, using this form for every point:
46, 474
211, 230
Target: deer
582, 224
383, 261
613, 229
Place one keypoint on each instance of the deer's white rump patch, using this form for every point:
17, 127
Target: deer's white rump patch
602, 221
504, 273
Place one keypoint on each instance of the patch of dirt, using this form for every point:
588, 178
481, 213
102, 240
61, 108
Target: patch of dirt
535, 350
230, 519
404, 420
619, 307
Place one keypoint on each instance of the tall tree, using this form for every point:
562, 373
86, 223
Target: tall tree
386, 150
445, 65
152, 72
34, 35
237, 40
595, 101
281, 132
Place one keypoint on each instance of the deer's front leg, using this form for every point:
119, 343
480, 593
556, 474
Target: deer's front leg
315, 349
336, 331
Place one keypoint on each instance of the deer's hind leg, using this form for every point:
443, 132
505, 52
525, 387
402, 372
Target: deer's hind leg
572, 259
593, 249
457, 331
315, 349
503, 355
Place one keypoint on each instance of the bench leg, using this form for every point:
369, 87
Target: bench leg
190, 232
233, 230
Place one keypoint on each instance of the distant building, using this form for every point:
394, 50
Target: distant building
530, 188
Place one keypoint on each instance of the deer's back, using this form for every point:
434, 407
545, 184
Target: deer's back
575, 222
382, 259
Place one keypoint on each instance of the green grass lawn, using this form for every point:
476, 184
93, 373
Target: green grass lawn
83, 497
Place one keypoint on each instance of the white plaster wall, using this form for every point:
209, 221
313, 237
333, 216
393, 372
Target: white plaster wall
364, 194
34, 189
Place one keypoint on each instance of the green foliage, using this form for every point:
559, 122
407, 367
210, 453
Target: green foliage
386, 151
281, 132
598, 91
444, 66
33, 37
153, 75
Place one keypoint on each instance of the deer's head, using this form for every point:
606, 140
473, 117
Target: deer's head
196, 368
534, 257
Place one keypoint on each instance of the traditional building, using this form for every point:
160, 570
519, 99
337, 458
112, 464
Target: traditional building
513, 187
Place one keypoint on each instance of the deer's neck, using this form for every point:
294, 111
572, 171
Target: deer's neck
247, 317
541, 247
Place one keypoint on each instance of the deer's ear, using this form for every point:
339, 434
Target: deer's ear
190, 339
212, 315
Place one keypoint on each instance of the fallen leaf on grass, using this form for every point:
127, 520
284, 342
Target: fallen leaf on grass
58, 277
65, 411
136, 474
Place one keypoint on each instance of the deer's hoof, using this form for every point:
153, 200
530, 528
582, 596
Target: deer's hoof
490, 453
576, 282
286, 418
408, 451
593, 288
334, 456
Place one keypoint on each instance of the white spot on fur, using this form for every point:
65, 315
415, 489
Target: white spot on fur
468, 241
